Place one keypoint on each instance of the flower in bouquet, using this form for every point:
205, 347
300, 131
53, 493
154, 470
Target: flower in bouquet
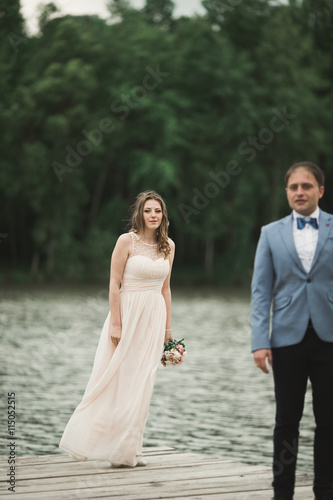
174, 352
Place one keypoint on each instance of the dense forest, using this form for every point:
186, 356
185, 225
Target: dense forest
208, 110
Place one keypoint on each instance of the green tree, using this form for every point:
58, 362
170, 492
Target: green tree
209, 111
159, 12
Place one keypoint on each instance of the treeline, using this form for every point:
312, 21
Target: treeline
208, 110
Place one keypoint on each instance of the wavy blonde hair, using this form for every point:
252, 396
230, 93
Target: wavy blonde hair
138, 223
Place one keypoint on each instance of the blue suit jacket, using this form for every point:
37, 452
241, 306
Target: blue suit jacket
284, 295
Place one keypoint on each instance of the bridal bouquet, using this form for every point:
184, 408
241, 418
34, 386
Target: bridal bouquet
174, 352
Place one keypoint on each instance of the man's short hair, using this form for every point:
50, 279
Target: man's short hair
317, 172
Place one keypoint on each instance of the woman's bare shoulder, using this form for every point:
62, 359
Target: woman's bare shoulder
171, 243
124, 241
125, 237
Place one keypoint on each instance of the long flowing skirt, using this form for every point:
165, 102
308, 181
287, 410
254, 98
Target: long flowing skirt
109, 422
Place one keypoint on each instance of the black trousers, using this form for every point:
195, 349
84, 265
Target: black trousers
292, 367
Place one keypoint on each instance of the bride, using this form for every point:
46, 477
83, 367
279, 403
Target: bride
109, 422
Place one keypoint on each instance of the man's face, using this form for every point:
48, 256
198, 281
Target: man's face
303, 192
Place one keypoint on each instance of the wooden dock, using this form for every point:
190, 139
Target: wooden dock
169, 474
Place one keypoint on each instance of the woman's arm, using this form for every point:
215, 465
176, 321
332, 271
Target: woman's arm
166, 292
119, 258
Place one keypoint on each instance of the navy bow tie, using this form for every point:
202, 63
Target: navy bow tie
301, 221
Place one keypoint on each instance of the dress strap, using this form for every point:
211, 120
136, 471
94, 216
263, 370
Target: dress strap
134, 240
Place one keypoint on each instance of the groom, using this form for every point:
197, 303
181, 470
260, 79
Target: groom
293, 274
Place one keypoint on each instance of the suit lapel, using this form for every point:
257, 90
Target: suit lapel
286, 232
325, 227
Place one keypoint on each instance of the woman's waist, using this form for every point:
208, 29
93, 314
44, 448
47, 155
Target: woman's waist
131, 288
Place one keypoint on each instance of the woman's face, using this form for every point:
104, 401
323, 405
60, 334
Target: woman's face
152, 214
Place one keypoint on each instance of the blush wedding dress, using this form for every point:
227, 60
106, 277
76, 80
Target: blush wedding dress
109, 422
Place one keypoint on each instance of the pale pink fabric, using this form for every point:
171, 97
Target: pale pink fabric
109, 422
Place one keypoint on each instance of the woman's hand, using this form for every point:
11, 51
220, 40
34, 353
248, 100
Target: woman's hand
168, 336
115, 334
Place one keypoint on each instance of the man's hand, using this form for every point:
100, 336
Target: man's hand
260, 356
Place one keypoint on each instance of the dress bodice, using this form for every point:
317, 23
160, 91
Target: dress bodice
145, 269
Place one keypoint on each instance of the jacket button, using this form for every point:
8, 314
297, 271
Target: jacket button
309, 280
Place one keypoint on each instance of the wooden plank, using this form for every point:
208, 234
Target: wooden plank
169, 475
55, 461
141, 475
93, 488
65, 458
236, 487
148, 451
137, 473
105, 484
303, 493
120, 482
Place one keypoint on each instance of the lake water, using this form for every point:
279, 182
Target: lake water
217, 402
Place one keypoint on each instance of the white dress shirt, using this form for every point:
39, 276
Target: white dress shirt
306, 239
